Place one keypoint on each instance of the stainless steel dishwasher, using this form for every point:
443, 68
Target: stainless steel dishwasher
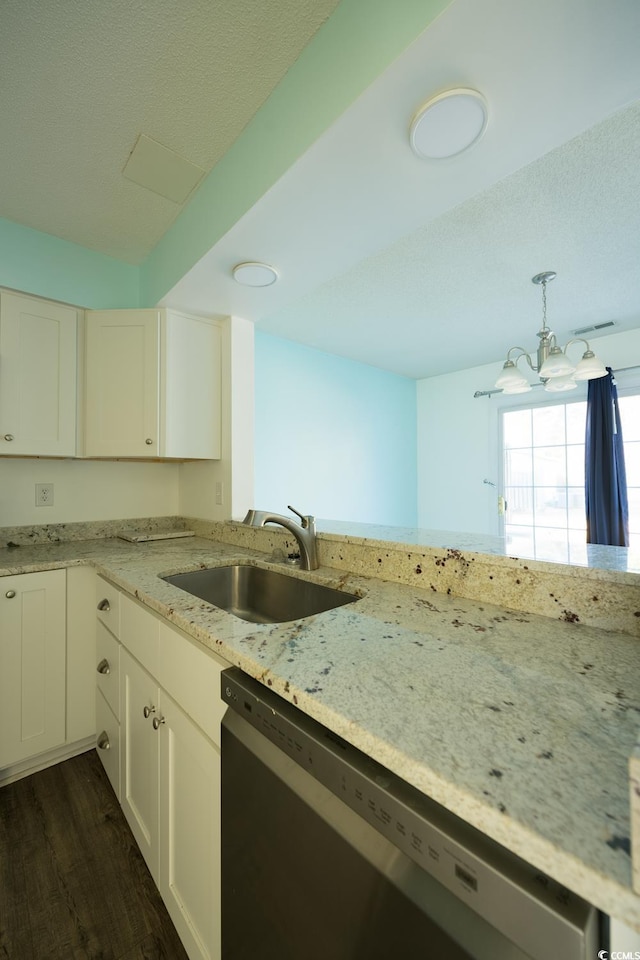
326, 855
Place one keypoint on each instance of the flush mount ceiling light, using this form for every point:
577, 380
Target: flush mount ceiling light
448, 123
253, 274
554, 368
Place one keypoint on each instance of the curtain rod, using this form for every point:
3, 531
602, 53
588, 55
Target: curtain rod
489, 393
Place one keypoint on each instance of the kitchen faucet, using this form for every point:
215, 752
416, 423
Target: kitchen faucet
304, 532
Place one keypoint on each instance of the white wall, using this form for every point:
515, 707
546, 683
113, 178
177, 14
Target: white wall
455, 453
458, 437
86, 490
232, 475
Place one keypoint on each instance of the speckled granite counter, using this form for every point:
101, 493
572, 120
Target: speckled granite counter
521, 724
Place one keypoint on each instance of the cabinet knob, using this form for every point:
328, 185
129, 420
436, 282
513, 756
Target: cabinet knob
104, 605
103, 741
9, 436
103, 667
148, 441
147, 711
10, 594
157, 721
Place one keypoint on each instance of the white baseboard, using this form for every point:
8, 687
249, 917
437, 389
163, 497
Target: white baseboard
26, 767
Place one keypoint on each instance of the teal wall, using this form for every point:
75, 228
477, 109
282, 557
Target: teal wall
333, 437
39, 263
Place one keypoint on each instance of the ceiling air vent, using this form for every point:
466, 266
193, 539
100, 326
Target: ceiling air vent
594, 327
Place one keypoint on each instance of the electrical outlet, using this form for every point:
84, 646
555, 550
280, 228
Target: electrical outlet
44, 494
219, 492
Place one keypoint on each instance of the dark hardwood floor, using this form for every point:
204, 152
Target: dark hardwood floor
73, 884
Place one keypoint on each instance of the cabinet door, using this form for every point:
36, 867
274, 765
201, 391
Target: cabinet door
139, 746
121, 385
190, 831
108, 741
32, 664
38, 377
190, 388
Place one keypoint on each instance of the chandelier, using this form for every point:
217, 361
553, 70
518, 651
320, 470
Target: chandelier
553, 367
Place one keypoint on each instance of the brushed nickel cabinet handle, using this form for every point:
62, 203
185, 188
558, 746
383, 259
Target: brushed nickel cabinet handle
10, 594
9, 436
148, 441
104, 605
103, 741
103, 667
157, 721
147, 711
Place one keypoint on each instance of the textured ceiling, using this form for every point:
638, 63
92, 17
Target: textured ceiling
425, 267
457, 292
81, 79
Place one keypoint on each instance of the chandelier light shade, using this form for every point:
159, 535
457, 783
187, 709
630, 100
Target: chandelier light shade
553, 366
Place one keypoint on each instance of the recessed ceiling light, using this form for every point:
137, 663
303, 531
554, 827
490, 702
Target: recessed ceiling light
253, 274
448, 123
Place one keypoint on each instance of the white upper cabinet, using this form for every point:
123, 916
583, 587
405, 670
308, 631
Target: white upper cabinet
38, 362
122, 367
152, 385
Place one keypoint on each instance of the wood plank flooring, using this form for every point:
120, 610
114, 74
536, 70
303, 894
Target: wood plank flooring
73, 884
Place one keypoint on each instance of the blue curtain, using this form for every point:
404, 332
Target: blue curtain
605, 474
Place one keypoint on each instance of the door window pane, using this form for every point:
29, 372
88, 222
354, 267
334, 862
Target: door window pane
575, 465
630, 417
576, 509
519, 505
549, 466
550, 505
632, 460
518, 468
634, 513
576, 414
516, 429
548, 425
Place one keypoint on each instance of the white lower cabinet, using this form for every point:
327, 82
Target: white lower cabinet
47, 647
108, 741
33, 660
190, 831
140, 697
170, 769
107, 666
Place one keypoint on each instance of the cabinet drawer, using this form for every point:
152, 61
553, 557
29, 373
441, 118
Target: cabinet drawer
108, 668
191, 675
139, 633
108, 742
108, 604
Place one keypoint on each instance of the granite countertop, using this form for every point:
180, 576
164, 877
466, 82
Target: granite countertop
520, 724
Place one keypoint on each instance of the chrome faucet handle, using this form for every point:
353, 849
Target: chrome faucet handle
306, 521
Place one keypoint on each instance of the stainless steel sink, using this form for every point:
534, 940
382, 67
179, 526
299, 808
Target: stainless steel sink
259, 595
